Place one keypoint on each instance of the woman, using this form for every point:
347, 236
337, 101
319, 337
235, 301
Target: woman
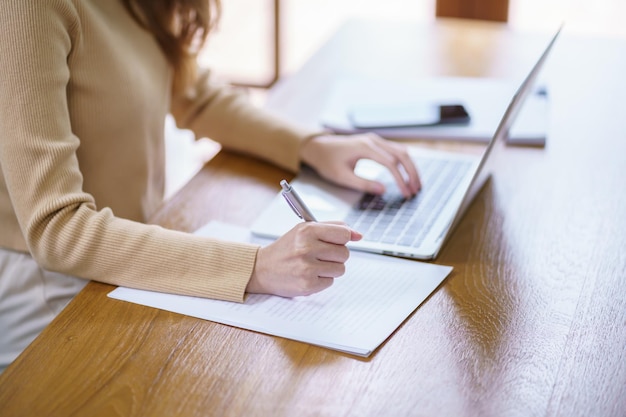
86, 86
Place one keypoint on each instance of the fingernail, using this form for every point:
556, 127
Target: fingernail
377, 188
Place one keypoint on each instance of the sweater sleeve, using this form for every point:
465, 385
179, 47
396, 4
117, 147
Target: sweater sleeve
225, 114
63, 228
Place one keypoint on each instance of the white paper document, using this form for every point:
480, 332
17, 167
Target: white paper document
485, 99
355, 315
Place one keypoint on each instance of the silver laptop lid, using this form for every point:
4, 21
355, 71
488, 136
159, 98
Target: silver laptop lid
498, 140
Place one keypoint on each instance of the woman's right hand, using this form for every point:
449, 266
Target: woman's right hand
303, 261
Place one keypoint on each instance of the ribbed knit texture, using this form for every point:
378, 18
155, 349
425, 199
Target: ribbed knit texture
84, 94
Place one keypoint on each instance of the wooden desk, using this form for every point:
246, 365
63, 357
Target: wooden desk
531, 322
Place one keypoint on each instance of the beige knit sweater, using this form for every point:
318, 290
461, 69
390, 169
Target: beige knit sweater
84, 92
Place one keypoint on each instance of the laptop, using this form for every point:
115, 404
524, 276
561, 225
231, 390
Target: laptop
392, 225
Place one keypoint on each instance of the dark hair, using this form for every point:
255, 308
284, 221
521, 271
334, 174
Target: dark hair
180, 27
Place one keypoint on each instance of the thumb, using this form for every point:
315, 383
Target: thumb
351, 180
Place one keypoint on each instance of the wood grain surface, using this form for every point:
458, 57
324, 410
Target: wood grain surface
531, 322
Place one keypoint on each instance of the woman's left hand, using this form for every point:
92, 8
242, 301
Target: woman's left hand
335, 157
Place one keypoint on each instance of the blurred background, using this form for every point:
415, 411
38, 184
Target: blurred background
241, 49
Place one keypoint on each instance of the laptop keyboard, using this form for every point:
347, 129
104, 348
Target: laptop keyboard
390, 218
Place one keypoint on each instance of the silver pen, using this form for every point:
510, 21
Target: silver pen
296, 203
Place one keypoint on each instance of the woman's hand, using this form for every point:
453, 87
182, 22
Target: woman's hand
335, 157
303, 261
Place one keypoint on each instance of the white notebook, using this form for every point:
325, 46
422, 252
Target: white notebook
355, 315
485, 99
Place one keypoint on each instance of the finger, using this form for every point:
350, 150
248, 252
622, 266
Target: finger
397, 156
392, 163
316, 285
337, 234
409, 167
351, 180
385, 153
330, 269
354, 234
329, 252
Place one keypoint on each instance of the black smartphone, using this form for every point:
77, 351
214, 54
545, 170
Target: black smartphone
408, 115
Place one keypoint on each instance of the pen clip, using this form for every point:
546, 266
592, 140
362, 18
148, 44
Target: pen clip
293, 207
